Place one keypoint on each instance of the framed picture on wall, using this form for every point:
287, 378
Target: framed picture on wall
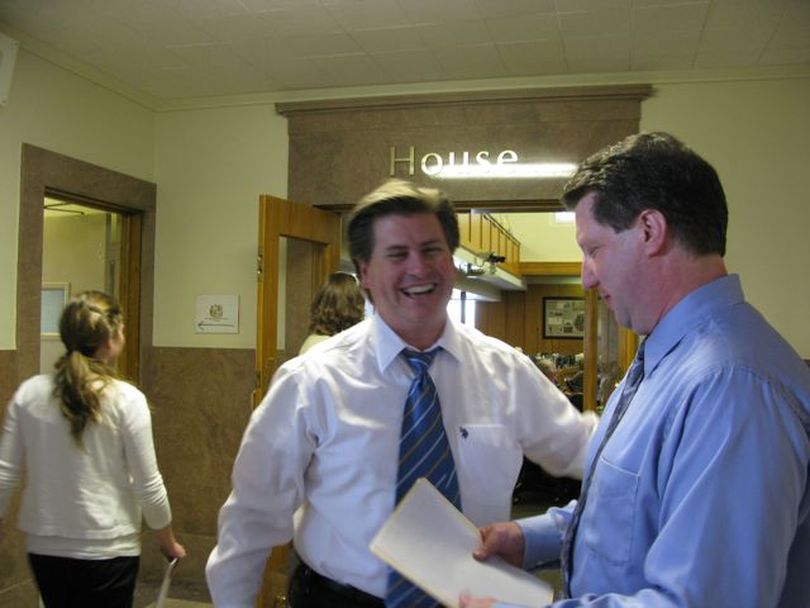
54, 298
563, 317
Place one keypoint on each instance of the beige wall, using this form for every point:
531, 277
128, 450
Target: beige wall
53, 109
211, 164
751, 130
756, 135
211, 167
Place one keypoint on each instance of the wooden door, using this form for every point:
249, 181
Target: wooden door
129, 294
279, 221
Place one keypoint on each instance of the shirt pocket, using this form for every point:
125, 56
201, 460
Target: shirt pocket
489, 463
611, 501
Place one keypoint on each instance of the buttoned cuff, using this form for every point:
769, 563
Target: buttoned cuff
543, 536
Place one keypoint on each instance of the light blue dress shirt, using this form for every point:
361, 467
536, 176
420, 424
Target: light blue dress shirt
701, 496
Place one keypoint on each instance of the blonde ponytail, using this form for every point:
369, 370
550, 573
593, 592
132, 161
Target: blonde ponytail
88, 322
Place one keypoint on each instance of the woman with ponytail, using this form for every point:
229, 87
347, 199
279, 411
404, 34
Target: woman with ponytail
83, 438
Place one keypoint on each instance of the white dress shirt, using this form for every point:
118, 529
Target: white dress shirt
326, 439
85, 502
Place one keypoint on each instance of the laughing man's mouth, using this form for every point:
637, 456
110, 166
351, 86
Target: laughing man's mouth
418, 290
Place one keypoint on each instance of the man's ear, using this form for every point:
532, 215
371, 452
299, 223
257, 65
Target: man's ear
362, 272
654, 231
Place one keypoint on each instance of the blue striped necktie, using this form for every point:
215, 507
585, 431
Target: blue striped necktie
423, 452
634, 377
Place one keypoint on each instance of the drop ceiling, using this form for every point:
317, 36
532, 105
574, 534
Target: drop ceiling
161, 50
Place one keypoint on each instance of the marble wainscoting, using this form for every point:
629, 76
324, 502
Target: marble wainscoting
200, 399
16, 584
8, 381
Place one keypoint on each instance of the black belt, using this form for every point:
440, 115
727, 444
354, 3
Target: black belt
309, 589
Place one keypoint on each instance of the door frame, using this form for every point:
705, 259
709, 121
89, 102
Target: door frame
282, 218
45, 172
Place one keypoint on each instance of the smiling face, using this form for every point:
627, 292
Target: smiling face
612, 264
410, 276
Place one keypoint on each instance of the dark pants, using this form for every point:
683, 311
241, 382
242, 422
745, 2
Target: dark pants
308, 589
65, 582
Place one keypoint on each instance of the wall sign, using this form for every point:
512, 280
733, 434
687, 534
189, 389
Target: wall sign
434, 164
216, 315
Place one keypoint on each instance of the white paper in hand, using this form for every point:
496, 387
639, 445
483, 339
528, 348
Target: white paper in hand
431, 543
166, 583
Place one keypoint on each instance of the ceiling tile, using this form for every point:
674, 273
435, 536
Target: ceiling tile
177, 48
350, 70
513, 8
324, 44
174, 30
301, 21
785, 56
793, 30
235, 28
583, 6
474, 61
660, 61
455, 34
668, 43
652, 21
527, 27
735, 58
410, 66
299, 73
406, 38
431, 11
596, 23
260, 6
597, 54
365, 15
533, 57
197, 9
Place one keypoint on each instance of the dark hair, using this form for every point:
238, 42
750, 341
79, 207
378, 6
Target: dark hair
337, 305
397, 197
87, 323
655, 171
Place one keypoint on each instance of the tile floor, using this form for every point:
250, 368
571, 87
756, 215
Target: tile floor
181, 595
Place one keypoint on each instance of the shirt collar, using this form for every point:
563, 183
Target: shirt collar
688, 314
387, 344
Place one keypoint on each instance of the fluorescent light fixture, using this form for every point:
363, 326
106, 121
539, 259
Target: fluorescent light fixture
564, 217
506, 170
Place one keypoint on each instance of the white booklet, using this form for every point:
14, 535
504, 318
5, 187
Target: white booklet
163, 594
431, 543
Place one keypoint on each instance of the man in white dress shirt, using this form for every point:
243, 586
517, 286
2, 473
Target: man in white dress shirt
324, 443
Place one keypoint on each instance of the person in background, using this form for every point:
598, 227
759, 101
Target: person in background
338, 438
337, 305
548, 367
696, 489
83, 439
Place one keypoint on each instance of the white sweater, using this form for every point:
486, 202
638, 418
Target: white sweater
82, 502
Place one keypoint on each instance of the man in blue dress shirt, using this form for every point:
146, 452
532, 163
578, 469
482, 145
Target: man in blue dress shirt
700, 496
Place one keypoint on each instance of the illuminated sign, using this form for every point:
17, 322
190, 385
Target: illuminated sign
482, 164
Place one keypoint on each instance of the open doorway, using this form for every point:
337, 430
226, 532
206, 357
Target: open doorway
85, 248
49, 175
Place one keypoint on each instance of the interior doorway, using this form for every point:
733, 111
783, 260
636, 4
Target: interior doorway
85, 248
45, 174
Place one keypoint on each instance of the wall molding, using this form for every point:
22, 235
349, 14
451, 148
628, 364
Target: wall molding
614, 92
